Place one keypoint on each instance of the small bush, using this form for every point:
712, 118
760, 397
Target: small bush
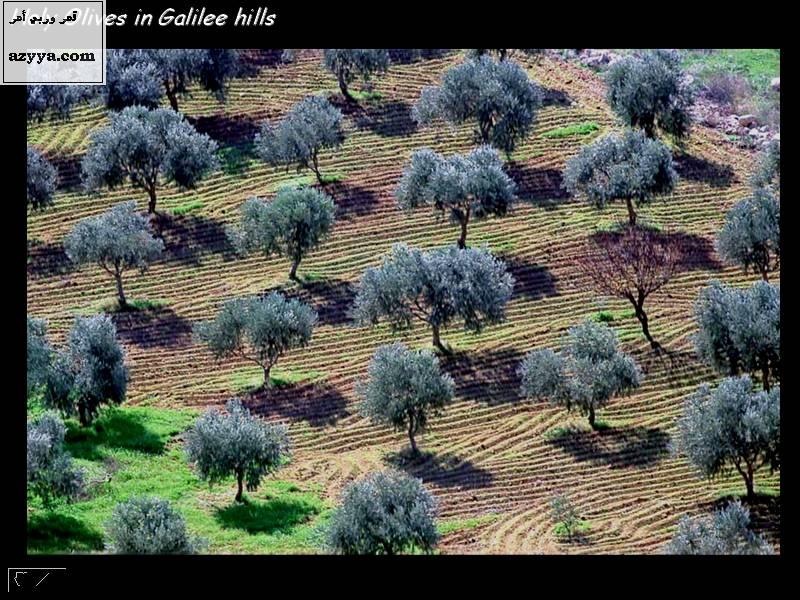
144, 525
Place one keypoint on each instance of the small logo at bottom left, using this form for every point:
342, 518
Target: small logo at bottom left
34, 578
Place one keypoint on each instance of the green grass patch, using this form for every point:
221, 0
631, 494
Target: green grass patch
758, 66
561, 530
609, 316
306, 181
136, 451
111, 306
250, 379
522, 155
572, 130
187, 208
235, 160
366, 95
464, 524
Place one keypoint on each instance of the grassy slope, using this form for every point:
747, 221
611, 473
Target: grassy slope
493, 466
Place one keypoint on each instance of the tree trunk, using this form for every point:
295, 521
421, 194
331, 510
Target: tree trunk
151, 206
591, 417
462, 241
173, 98
748, 481
642, 316
765, 376
414, 450
293, 272
239, 479
267, 381
123, 302
343, 87
315, 168
83, 414
437, 340
631, 212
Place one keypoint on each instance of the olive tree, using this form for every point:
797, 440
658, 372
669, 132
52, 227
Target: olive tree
41, 180
504, 53
627, 167
59, 99
89, 372
768, 173
435, 287
751, 235
259, 329
143, 76
731, 427
649, 91
631, 265
404, 388
150, 525
292, 224
236, 443
51, 473
740, 329
117, 240
386, 512
589, 371
148, 147
348, 64
39, 353
311, 126
498, 96
462, 186
726, 532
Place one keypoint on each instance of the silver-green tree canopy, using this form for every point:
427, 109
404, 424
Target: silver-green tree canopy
589, 371
498, 96
466, 186
751, 235
149, 525
51, 473
41, 180
404, 388
348, 64
292, 224
740, 329
89, 372
236, 443
143, 76
386, 512
117, 240
39, 353
148, 147
435, 287
503, 53
627, 167
311, 126
768, 174
259, 329
648, 91
58, 100
732, 427
726, 532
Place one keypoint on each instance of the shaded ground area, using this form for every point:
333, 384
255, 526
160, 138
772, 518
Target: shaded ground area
187, 237
702, 170
52, 532
48, 259
530, 279
68, 170
387, 119
319, 404
443, 471
352, 200
153, 328
485, 375
554, 97
278, 515
616, 447
540, 187
331, 298
228, 130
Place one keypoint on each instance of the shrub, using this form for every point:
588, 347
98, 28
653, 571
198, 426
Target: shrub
726, 532
51, 474
147, 525
41, 180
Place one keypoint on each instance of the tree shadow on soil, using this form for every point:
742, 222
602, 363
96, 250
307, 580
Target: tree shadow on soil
405, 56
319, 404
554, 97
112, 429
187, 237
278, 515
227, 130
701, 170
488, 376
253, 60
540, 187
154, 328
48, 259
531, 280
68, 171
331, 298
387, 119
51, 533
442, 471
351, 200
697, 252
616, 447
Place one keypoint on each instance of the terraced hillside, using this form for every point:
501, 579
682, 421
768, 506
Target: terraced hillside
495, 460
